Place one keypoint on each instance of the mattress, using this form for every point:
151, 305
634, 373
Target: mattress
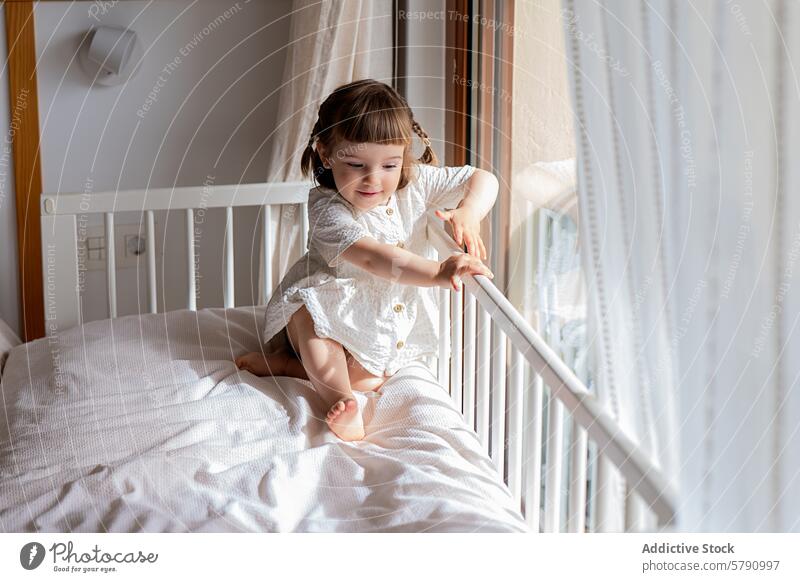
143, 423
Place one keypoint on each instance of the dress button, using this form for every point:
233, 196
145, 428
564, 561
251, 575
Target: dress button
398, 308
389, 211
400, 344
401, 245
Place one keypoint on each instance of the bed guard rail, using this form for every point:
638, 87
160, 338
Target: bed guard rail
63, 222
481, 376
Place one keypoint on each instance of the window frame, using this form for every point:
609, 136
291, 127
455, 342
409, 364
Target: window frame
478, 90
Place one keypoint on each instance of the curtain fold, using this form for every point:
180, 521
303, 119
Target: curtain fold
333, 42
686, 118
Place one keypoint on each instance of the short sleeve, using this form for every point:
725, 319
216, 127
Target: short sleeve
443, 187
332, 229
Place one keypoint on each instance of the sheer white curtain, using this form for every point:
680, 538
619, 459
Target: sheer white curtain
332, 42
687, 122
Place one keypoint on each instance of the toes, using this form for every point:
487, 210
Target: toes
341, 406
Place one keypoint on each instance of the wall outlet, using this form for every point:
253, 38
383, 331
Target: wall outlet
130, 244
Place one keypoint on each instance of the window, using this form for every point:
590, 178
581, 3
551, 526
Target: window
512, 88
517, 122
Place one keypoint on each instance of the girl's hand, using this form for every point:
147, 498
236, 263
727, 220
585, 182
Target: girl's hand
459, 264
466, 228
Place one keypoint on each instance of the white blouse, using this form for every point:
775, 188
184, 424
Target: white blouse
385, 325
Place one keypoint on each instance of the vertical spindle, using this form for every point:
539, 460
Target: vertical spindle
532, 431
555, 464
266, 251
635, 520
457, 343
111, 265
576, 522
304, 225
444, 339
152, 297
228, 290
191, 288
484, 369
515, 420
498, 391
469, 359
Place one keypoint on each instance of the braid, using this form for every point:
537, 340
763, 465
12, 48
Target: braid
309, 157
314, 134
428, 156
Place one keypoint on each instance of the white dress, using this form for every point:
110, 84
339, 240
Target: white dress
383, 324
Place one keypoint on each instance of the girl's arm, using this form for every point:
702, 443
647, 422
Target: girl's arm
402, 266
481, 193
391, 262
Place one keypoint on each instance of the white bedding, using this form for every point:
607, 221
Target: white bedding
144, 424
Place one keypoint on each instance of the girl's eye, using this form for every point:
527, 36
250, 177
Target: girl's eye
359, 166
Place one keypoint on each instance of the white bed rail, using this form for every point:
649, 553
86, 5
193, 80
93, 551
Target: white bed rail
497, 368
508, 414
60, 246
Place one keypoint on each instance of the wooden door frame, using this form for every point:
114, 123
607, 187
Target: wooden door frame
479, 83
457, 77
25, 141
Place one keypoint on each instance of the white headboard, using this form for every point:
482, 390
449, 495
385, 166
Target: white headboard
60, 249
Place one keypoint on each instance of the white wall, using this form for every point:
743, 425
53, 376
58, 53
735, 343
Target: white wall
210, 123
9, 279
93, 139
426, 70
542, 122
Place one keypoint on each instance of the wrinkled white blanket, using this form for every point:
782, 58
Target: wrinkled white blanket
143, 423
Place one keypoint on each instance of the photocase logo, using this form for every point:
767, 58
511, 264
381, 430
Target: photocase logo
31, 555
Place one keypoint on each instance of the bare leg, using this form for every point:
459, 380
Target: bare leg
285, 364
278, 364
326, 365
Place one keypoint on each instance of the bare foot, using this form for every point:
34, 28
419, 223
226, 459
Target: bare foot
263, 365
344, 419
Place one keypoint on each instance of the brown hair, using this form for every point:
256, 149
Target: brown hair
364, 111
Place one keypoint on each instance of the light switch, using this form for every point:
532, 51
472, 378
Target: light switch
130, 247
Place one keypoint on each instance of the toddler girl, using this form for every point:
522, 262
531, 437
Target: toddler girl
362, 302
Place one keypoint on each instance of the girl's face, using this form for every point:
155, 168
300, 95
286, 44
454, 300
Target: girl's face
366, 174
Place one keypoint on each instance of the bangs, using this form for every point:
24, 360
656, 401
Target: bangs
375, 119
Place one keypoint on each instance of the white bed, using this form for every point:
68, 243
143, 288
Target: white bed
143, 423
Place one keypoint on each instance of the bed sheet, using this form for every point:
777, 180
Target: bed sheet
143, 423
